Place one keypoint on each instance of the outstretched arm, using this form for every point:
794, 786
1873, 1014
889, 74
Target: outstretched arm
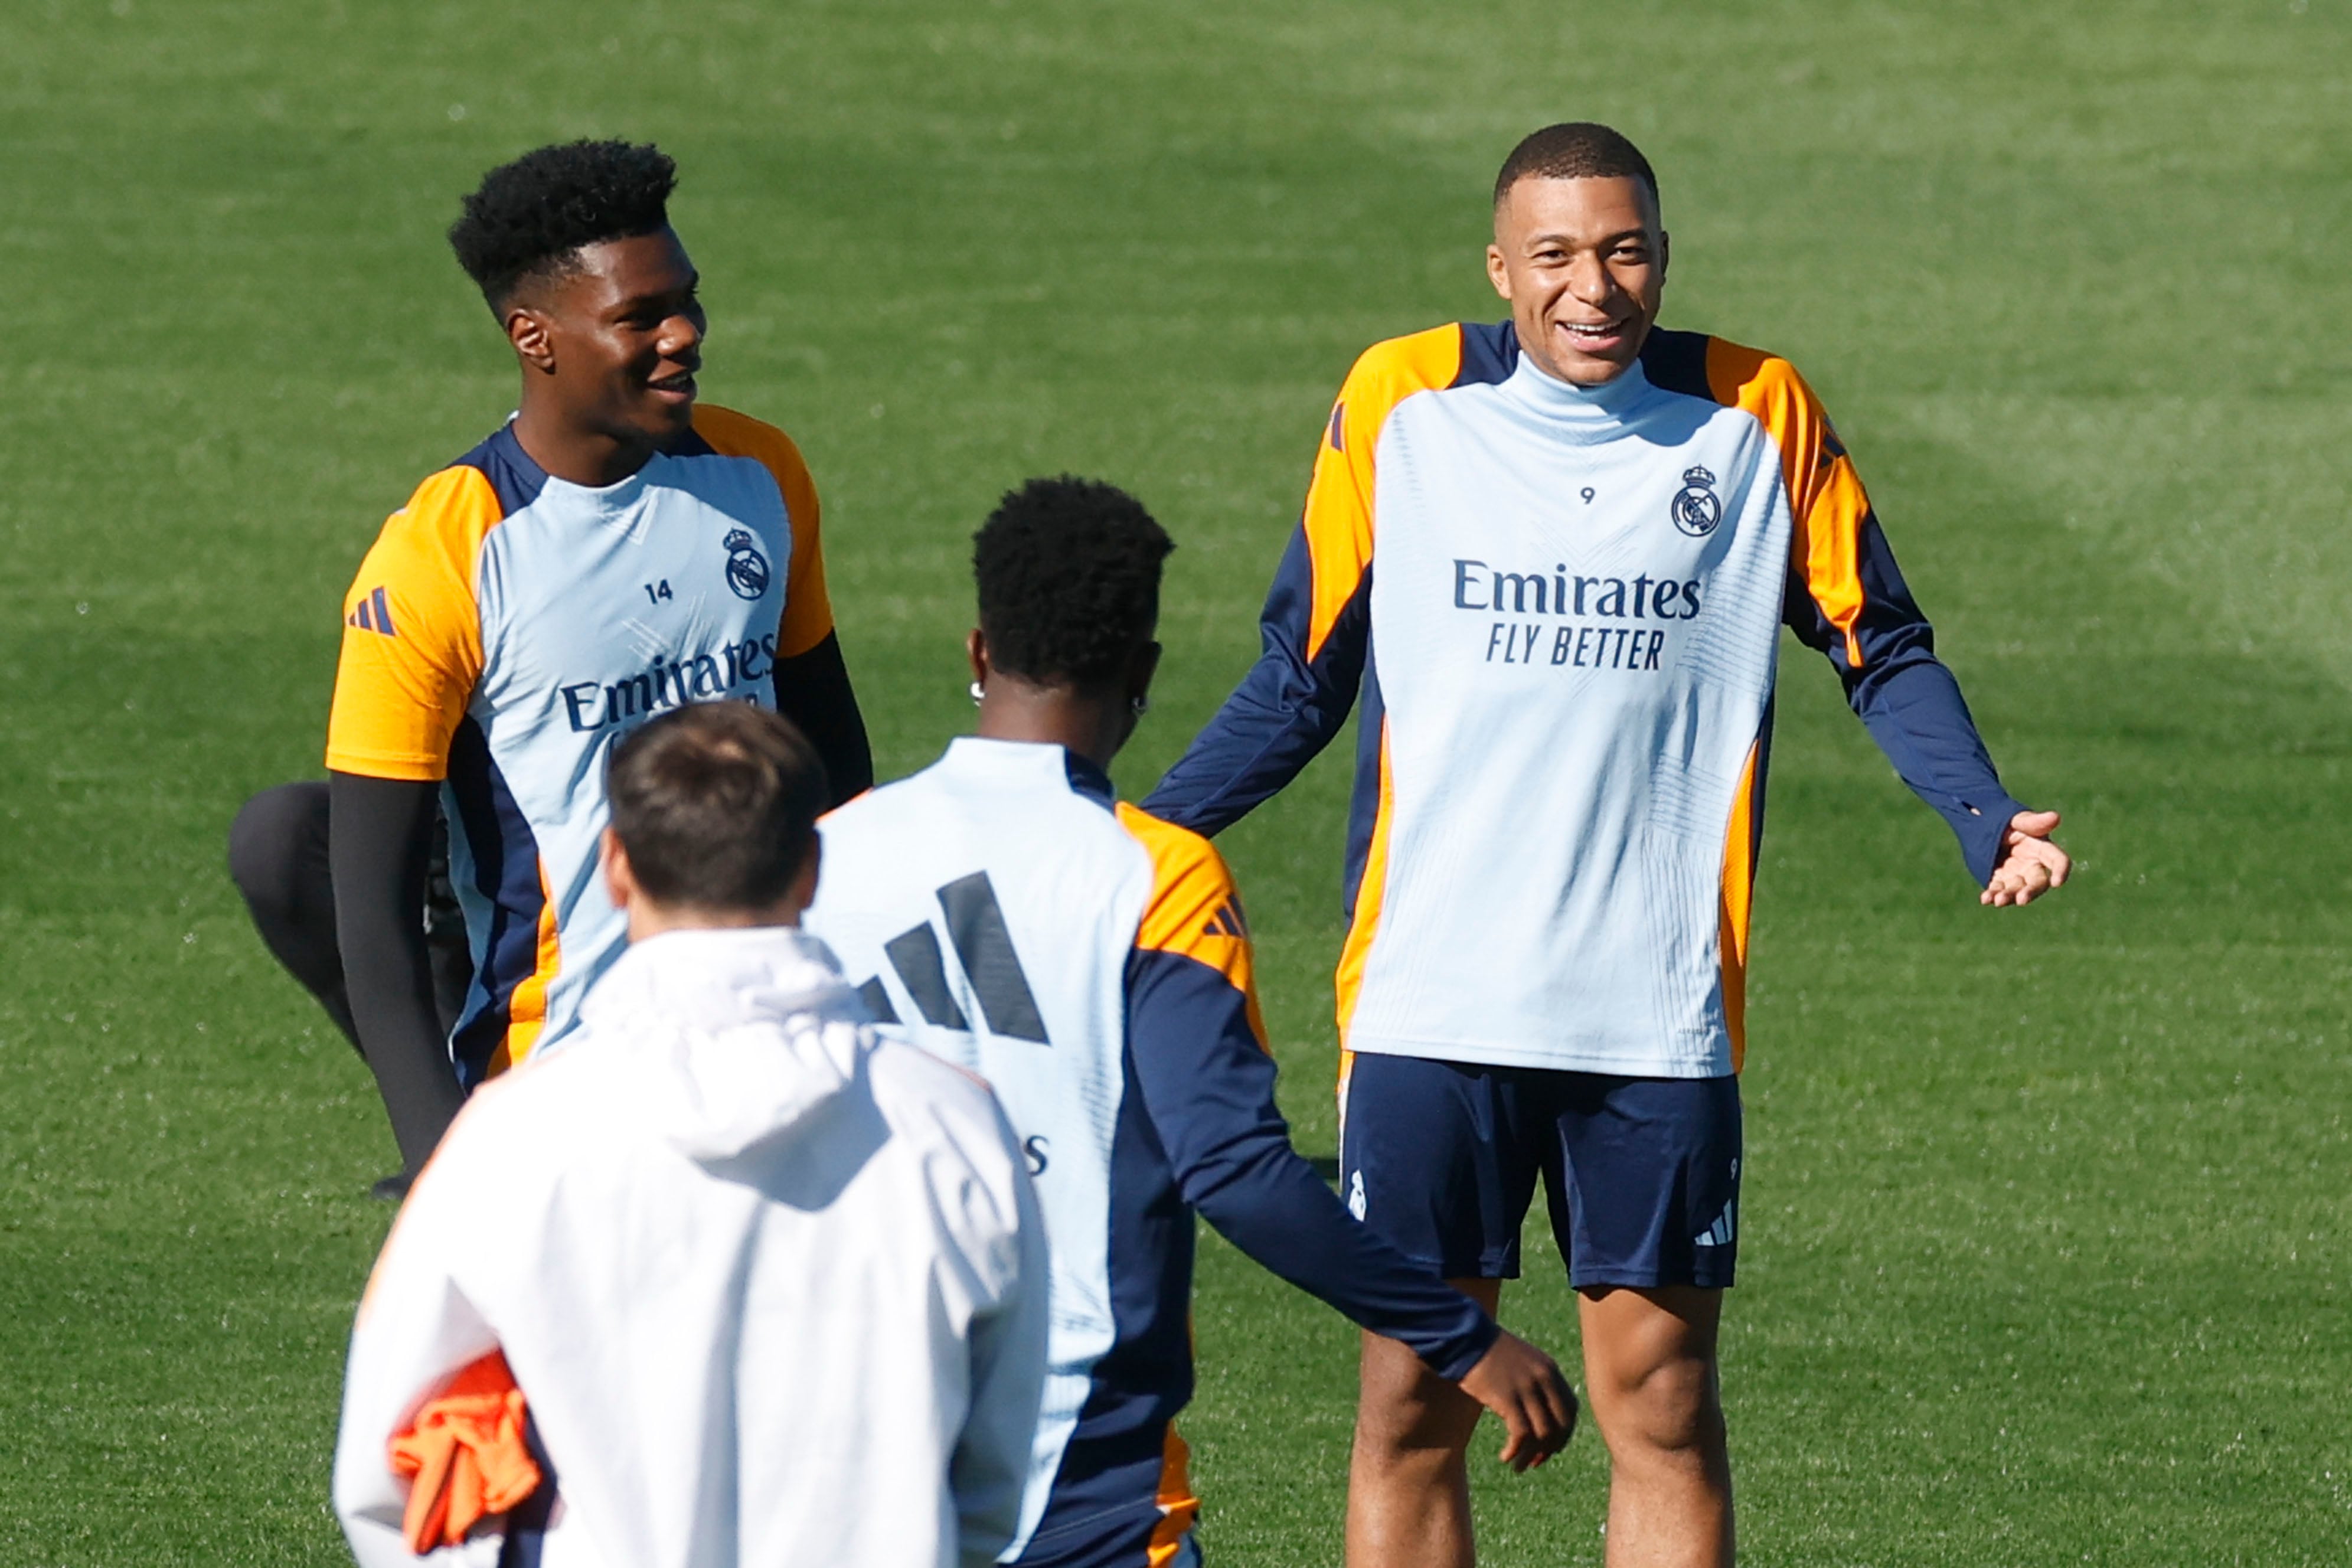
1846, 599
1317, 626
1197, 1064
2033, 865
1912, 706
1207, 1084
1285, 710
1208, 1087
379, 841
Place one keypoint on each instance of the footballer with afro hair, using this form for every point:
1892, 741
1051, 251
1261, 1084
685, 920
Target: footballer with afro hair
1068, 572
1100, 983
1068, 577
572, 249
532, 603
530, 218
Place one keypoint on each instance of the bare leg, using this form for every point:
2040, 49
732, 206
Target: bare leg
1650, 1377
1408, 1486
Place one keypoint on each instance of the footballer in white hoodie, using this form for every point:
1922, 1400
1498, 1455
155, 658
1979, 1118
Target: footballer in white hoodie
771, 1291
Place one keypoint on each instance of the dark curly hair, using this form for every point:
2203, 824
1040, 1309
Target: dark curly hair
1068, 573
530, 217
1578, 149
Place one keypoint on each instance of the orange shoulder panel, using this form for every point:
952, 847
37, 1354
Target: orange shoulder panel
1195, 911
808, 612
1826, 499
1338, 518
412, 633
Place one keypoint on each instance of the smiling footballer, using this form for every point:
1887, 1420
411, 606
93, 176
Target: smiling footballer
614, 550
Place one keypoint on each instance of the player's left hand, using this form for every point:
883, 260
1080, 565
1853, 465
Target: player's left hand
2030, 865
1524, 1386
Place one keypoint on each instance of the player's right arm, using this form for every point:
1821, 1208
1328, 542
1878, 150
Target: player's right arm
412, 654
1206, 1079
1315, 631
379, 844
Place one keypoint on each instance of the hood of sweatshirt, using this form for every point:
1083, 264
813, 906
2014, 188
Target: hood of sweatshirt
752, 1031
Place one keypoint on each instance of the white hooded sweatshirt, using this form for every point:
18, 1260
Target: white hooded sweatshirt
775, 1290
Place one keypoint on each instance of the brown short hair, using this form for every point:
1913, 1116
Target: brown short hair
716, 803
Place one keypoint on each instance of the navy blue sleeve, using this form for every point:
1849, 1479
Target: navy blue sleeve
379, 849
1909, 701
1208, 1089
1286, 708
812, 690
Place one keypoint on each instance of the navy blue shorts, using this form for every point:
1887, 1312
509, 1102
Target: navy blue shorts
1642, 1175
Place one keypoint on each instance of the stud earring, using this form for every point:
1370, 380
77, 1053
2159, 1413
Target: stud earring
976, 693
1141, 705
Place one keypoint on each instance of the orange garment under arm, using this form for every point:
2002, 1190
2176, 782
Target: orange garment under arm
466, 1454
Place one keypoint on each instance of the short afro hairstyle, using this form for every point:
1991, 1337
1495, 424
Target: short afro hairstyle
716, 803
531, 216
1578, 149
1068, 573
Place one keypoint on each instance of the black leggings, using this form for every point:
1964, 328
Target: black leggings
277, 857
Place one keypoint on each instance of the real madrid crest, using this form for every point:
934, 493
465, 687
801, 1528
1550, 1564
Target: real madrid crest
747, 569
1696, 509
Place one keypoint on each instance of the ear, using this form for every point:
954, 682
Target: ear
1665, 251
620, 882
975, 648
1499, 274
1140, 669
532, 335
803, 892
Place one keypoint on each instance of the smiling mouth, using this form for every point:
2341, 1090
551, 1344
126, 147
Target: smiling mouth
678, 385
1592, 331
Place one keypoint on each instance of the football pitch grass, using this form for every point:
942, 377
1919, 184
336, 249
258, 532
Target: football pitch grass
2045, 1215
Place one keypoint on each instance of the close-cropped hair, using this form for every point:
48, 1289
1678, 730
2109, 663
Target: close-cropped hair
717, 805
1068, 575
1578, 150
529, 219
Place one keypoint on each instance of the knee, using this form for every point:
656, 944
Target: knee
273, 836
1410, 1436
1669, 1408
1408, 1418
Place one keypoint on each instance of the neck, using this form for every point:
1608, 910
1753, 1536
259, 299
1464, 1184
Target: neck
648, 919
590, 457
1095, 728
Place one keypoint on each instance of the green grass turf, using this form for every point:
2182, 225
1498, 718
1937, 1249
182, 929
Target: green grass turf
2046, 1216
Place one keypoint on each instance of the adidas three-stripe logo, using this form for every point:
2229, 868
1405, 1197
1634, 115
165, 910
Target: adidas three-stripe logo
1226, 921
1727, 1223
983, 947
374, 614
